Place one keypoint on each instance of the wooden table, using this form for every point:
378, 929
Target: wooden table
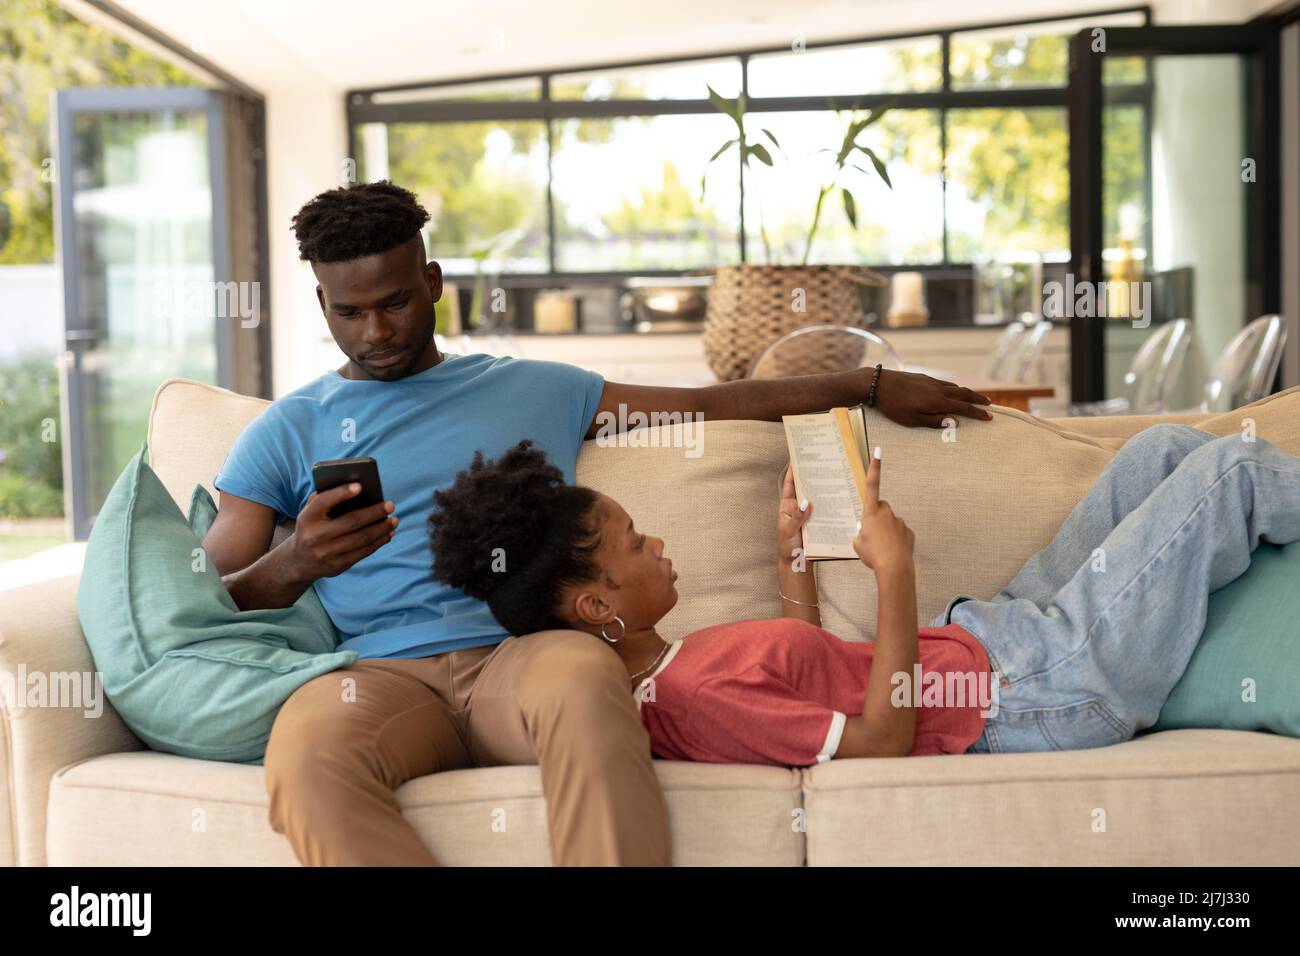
1010, 394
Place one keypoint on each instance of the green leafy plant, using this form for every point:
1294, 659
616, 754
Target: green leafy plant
845, 158
499, 244
849, 155
749, 151
31, 466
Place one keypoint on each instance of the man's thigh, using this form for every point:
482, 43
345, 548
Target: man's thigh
527, 677
386, 717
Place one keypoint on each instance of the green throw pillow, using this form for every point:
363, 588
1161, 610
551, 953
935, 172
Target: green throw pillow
1251, 644
188, 671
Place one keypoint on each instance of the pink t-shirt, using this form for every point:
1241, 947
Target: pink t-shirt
778, 691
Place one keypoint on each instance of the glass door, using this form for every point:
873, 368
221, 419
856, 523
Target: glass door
141, 238
1174, 203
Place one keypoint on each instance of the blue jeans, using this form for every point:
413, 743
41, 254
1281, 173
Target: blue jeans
1088, 641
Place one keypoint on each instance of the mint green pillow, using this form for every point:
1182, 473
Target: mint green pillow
1251, 642
189, 672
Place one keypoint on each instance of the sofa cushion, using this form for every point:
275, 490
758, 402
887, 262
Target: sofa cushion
150, 809
1245, 671
185, 668
1179, 798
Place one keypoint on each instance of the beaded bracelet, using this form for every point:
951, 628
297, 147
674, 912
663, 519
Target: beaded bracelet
871, 395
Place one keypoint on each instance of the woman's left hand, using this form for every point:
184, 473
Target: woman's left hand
790, 520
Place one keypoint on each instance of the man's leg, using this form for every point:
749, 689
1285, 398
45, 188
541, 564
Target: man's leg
342, 744
562, 700
1141, 463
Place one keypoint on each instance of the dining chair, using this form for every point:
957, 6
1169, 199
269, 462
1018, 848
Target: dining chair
817, 349
1025, 352
1150, 377
1002, 348
1245, 369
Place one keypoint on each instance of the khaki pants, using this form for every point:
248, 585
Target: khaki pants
346, 740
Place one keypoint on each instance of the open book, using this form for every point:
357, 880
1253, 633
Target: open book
829, 457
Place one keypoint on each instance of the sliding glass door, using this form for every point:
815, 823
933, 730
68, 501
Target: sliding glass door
1174, 196
142, 244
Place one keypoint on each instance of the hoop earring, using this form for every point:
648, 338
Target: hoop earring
614, 640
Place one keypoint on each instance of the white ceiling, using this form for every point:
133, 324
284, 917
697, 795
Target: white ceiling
344, 44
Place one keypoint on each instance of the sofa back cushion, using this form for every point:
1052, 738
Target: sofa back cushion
981, 498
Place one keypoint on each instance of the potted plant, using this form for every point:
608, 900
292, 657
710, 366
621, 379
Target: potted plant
751, 305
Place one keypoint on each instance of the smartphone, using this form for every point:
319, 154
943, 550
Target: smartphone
341, 471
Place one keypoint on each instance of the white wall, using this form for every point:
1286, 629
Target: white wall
306, 146
31, 310
1208, 11
1198, 198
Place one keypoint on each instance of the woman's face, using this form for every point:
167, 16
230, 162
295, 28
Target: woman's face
636, 563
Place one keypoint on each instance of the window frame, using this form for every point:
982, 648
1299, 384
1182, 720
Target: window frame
360, 109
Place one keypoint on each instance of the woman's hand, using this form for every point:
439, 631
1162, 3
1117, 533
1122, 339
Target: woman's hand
790, 519
884, 541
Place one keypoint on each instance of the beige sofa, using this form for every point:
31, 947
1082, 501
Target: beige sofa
79, 791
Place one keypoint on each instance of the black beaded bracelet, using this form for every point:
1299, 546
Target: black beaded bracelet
871, 395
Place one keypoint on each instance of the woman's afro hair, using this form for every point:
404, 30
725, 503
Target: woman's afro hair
511, 532
360, 219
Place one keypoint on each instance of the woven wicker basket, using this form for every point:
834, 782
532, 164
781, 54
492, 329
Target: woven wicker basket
751, 306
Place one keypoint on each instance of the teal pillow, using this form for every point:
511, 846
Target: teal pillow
189, 672
1251, 645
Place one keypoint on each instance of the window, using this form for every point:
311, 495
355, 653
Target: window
975, 141
1008, 183
895, 226
1126, 190
900, 66
651, 215
672, 82
493, 91
483, 183
1033, 55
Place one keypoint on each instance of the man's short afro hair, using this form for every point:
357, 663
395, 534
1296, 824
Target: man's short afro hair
360, 219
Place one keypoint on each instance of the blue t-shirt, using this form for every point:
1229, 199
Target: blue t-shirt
422, 430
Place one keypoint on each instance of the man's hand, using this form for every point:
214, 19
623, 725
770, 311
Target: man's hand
913, 399
322, 547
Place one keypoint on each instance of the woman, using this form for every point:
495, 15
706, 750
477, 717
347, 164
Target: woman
1080, 650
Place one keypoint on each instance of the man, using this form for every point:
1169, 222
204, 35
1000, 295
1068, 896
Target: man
439, 685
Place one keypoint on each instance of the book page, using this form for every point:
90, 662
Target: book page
823, 475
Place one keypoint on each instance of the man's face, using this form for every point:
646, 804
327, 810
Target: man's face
380, 311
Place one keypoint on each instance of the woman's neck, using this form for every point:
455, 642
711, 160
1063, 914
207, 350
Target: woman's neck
641, 650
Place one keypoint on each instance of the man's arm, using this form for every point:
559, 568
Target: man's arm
908, 398
238, 546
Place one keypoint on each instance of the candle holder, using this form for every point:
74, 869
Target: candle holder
907, 301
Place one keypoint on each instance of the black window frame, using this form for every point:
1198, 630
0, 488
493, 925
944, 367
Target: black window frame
360, 109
